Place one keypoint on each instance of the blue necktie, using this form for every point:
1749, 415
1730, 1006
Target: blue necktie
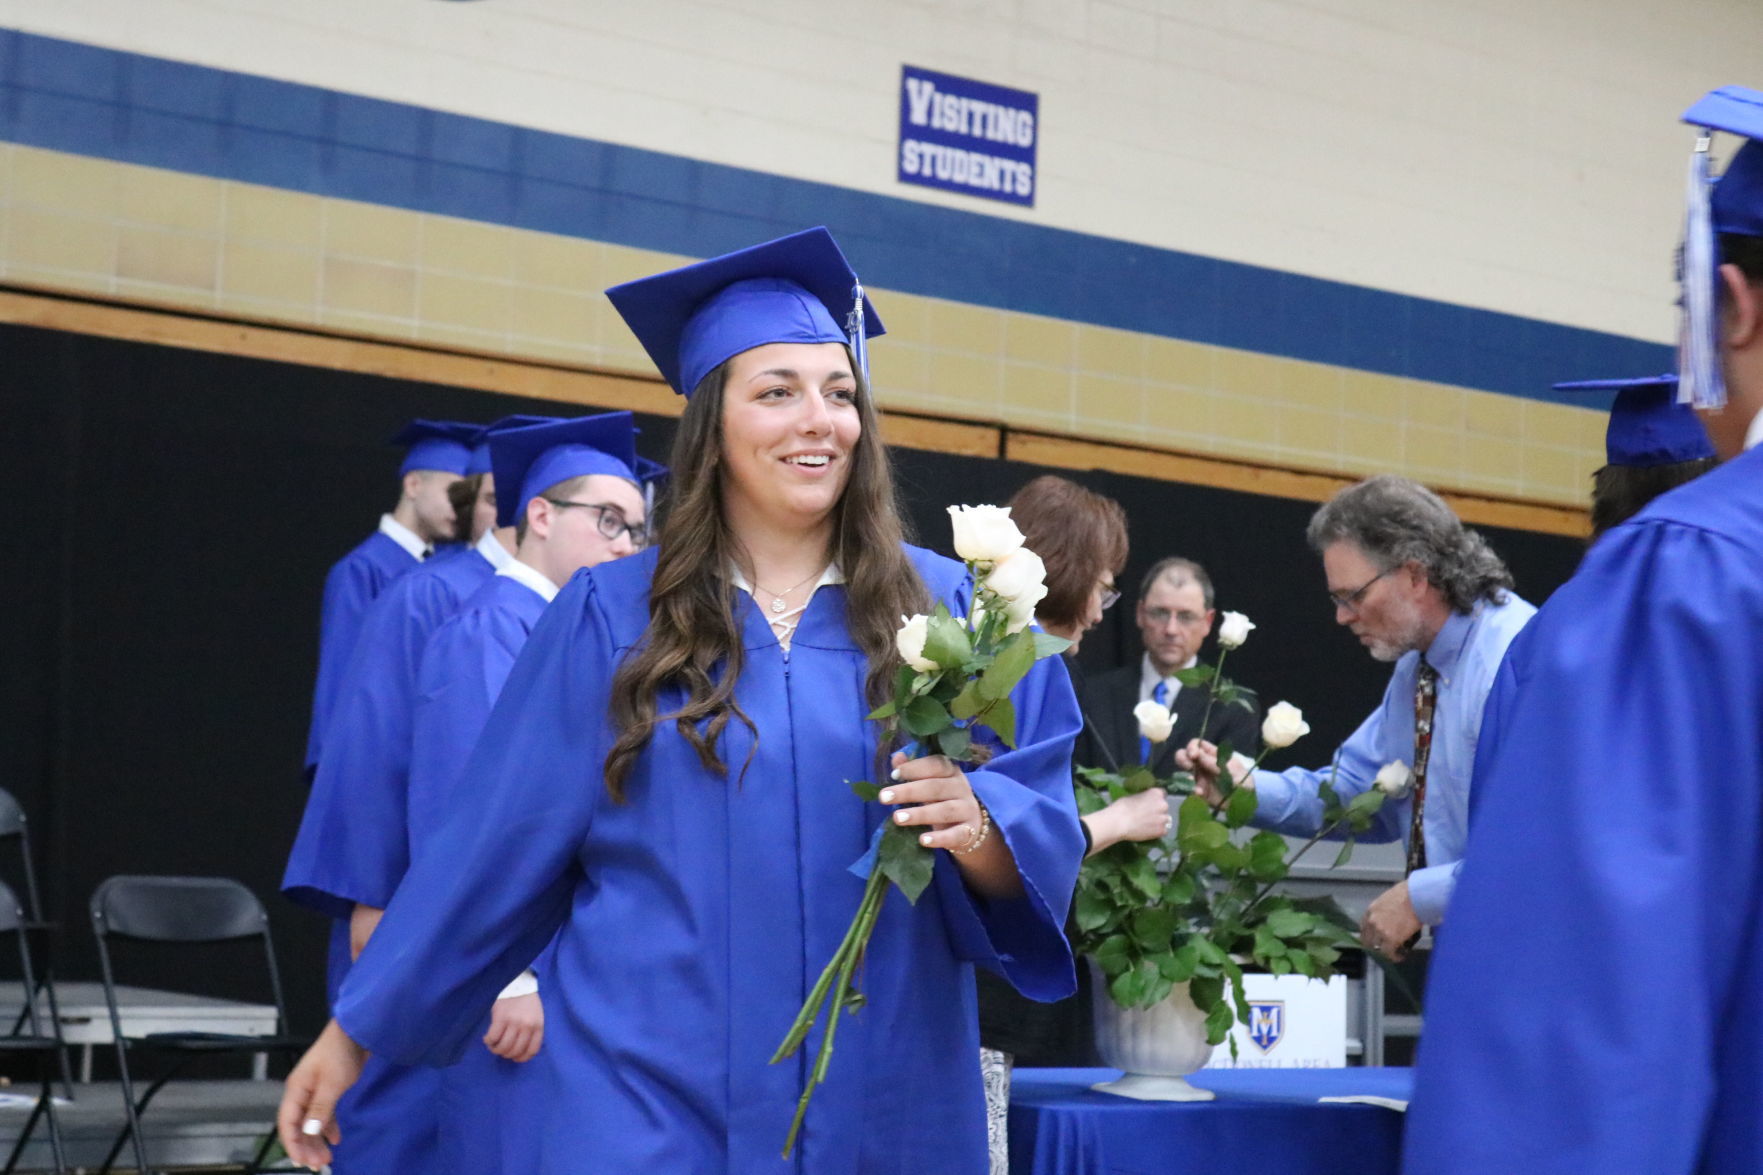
1160, 695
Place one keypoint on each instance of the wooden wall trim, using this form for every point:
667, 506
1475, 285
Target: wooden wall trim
314, 347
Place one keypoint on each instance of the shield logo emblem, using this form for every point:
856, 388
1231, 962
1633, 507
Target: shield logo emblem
1267, 1023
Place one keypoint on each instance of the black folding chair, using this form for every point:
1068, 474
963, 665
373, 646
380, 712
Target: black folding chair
34, 1043
15, 828
181, 911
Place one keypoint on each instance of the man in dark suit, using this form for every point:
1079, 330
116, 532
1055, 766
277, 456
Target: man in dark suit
1175, 614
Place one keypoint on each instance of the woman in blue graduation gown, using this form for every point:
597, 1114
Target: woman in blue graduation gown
663, 784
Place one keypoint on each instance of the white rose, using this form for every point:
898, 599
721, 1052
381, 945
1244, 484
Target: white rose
1020, 612
984, 534
1019, 574
1155, 720
1284, 726
1233, 629
910, 641
1393, 779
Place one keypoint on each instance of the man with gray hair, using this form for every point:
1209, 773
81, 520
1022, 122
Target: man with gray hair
1419, 589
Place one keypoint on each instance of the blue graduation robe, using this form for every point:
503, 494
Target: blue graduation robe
695, 917
490, 1108
353, 583
353, 844
1590, 1005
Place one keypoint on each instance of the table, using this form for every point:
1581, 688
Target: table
1264, 1120
85, 1018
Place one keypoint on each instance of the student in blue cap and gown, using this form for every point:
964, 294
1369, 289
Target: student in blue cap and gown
578, 504
436, 455
1590, 1006
352, 846
663, 786
1652, 444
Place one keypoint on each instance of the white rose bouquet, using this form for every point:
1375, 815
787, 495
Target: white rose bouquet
1153, 918
957, 676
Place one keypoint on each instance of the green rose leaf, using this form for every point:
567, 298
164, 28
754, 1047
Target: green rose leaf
1153, 928
1000, 716
1267, 856
865, 790
926, 716
1013, 662
1240, 807
886, 710
1178, 889
1290, 923
1046, 644
1366, 803
1197, 676
946, 641
1345, 855
904, 861
968, 702
1142, 873
1138, 779
1093, 910
954, 742
1218, 1023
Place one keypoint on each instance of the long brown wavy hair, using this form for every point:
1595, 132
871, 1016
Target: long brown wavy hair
693, 639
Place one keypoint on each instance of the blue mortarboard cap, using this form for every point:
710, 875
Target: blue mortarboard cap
436, 444
796, 289
537, 457
1647, 424
1731, 204
480, 447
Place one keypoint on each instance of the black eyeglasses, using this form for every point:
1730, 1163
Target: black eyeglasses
1350, 600
611, 521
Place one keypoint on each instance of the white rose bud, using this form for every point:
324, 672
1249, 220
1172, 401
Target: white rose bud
1155, 720
1284, 726
1019, 574
1393, 779
984, 534
910, 641
1233, 629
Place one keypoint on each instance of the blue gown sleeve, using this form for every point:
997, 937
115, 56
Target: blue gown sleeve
1028, 793
1290, 801
354, 841
348, 589
488, 891
463, 670
1590, 989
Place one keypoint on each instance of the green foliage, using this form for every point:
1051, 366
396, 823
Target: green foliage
904, 861
1154, 916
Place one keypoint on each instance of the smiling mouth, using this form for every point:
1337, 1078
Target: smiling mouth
810, 460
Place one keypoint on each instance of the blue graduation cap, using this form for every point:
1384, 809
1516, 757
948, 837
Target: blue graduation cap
1731, 204
651, 474
796, 289
538, 456
436, 444
1647, 424
480, 447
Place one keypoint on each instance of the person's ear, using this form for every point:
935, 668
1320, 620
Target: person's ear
540, 515
412, 484
1739, 309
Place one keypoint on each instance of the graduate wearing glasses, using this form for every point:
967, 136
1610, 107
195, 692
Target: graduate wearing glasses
662, 786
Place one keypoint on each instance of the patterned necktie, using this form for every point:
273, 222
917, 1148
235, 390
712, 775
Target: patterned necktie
1426, 690
1160, 695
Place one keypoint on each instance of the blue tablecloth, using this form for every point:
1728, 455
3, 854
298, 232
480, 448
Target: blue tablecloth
1263, 1121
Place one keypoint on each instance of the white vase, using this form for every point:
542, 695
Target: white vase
1157, 1047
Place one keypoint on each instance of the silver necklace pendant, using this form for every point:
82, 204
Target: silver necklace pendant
777, 603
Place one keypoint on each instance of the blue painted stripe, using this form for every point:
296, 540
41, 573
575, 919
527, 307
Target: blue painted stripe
135, 109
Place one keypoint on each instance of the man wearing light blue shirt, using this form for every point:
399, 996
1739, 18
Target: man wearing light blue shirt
1419, 589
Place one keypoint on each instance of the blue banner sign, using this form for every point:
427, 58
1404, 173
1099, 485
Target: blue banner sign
967, 136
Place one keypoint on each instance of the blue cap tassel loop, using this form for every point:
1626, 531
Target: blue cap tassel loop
1700, 382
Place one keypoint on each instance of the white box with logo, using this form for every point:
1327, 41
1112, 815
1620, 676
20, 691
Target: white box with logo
1296, 1023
